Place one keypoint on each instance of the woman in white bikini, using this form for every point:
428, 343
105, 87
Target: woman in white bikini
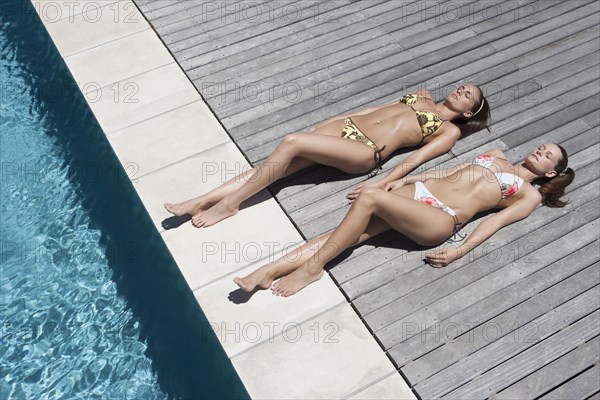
429, 208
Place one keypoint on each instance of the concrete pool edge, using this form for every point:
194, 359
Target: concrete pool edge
161, 130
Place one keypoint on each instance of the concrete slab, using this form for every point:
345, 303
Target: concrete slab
141, 97
206, 254
190, 177
120, 59
239, 318
174, 148
334, 344
81, 32
168, 137
53, 11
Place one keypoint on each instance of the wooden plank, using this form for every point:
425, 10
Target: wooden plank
499, 268
550, 56
192, 38
586, 108
388, 289
359, 264
561, 120
583, 386
472, 373
421, 50
157, 9
514, 39
574, 40
527, 14
335, 78
418, 347
535, 357
550, 101
593, 119
389, 286
496, 34
510, 113
206, 15
584, 356
282, 42
362, 262
328, 58
517, 86
569, 136
322, 174
456, 72
148, 7
581, 141
456, 344
332, 196
342, 55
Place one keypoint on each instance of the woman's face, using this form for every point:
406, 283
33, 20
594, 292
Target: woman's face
463, 99
543, 160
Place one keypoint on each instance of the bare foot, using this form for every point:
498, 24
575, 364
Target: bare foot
261, 277
216, 213
193, 206
294, 282
177, 209
186, 207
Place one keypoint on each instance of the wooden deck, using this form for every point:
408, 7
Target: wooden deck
517, 318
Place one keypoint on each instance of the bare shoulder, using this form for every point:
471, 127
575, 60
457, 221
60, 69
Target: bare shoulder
531, 193
451, 130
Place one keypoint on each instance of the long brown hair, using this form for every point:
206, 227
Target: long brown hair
553, 188
476, 123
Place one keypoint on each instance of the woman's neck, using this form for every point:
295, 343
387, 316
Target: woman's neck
523, 172
446, 113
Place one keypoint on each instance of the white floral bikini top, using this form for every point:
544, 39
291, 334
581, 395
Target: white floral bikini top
509, 183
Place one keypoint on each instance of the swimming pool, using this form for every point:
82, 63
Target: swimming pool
92, 303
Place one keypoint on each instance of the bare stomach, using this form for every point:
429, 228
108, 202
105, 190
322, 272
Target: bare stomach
394, 129
467, 193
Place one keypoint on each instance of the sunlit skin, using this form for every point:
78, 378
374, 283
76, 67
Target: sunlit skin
466, 188
393, 125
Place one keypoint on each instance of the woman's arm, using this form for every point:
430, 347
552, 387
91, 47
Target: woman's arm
438, 146
515, 212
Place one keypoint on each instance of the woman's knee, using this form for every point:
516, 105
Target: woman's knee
368, 197
290, 140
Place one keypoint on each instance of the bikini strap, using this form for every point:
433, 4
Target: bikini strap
377, 157
457, 227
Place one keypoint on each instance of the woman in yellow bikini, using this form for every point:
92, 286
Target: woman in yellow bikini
428, 209
374, 134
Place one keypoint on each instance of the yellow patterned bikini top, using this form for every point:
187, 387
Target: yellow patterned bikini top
429, 122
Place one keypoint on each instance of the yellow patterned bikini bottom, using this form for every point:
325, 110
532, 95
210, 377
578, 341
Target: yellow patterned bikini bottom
352, 132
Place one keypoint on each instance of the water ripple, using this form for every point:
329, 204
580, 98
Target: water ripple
65, 331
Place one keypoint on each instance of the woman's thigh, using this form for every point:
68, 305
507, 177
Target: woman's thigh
420, 222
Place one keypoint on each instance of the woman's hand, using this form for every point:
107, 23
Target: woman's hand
358, 188
393, 185
443, 257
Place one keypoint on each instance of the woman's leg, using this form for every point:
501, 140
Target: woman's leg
205, 201
347, 155
420, 222
264, 276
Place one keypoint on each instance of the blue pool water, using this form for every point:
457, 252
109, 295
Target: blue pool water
92, 304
